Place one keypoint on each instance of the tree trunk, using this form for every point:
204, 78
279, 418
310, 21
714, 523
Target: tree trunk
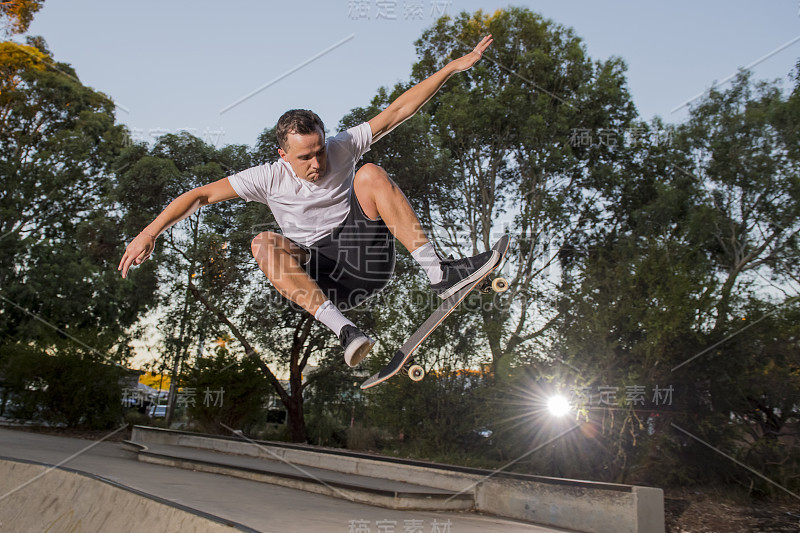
296, 419
293, 399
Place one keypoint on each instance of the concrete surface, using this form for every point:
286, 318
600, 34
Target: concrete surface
260, 506
590, 507
355, 488
35, 497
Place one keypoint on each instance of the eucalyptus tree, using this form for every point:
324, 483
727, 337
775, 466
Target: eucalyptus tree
689, 282
59, 233
500, 149
58, 150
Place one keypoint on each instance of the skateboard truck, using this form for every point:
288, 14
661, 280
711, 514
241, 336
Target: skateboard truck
414, 371
495, 285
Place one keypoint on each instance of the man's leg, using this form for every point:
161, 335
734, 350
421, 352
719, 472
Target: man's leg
281, 259
379, 195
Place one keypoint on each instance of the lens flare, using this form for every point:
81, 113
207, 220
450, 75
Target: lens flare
558, 406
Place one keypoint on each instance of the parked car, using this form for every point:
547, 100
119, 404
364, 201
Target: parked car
157, 411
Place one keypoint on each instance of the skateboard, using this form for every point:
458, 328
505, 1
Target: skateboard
402, 361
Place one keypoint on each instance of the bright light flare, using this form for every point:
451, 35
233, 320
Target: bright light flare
558, 406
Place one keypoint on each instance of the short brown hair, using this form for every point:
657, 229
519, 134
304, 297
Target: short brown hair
300, 121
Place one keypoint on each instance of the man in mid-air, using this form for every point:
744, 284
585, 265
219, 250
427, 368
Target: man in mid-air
336, 246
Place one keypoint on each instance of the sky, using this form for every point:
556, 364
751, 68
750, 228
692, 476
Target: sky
182, 65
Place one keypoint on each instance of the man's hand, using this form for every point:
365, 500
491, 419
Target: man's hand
137, 251
464, 63
181, 207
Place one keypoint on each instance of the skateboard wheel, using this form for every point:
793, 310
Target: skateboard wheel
499, 285
416, 372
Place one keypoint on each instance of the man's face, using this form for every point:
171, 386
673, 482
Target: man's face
306, 155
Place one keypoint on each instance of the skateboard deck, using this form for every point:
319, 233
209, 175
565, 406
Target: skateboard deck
403, 355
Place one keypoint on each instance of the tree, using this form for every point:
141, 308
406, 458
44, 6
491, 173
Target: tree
18, 14
750, 172
517, 172
744, 149
696, 242
148, 181
58, 246
496, 150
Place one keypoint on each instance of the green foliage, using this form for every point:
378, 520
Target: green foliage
17, 15
361, 438
58, 143
69, 388
64, 313
332, 402
326, 429
227, 392
433, 418
675, 269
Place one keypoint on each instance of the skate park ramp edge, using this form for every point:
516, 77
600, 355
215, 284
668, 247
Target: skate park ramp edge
37, 496
574, 505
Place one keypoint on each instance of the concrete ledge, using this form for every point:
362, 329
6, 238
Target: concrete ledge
584, 506
40, 497
420, 501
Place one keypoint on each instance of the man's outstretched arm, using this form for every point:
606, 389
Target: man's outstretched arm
181, 207
413, 99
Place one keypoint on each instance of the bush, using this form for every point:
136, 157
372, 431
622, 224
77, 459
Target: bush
324, 429
71, 388
360, 437
222, 391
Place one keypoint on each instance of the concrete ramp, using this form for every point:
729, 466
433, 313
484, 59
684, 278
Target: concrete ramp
395, 483
352, 487
40, 497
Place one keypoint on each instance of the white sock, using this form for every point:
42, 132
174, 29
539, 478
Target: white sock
426, 256
330, 315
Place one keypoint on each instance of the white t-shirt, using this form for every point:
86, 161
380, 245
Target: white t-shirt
305, 211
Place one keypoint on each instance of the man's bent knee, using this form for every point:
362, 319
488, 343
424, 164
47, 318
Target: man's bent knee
371, 176
371, 182
269, 247
263, 243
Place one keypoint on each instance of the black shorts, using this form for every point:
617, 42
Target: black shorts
354, 262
